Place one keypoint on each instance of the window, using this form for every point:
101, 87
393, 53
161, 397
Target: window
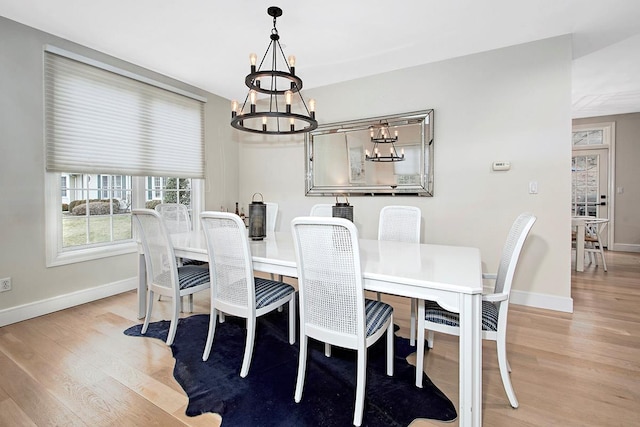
114, 141
63, 186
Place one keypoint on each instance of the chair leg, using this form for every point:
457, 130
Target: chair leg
412, 336
361, 383
327, 350
147, 317
302, 368
248, 348
604, 262
292, 320
420, 345
190, 303
504, 372
378, 296
210, 334
390, 345
173, 326
430, 339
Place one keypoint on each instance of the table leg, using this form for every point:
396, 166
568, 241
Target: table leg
470, 407
580, 228
142, 287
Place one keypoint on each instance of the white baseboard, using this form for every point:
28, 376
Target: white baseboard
61, 302
549, 302
625, 247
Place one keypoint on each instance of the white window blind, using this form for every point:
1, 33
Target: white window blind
100, 121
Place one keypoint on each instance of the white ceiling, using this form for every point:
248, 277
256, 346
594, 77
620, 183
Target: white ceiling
207, 43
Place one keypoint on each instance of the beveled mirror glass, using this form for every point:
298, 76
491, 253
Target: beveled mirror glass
338, 157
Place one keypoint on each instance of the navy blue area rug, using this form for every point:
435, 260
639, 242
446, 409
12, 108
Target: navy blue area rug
265, 396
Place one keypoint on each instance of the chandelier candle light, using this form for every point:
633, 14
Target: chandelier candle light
281, 86
380, 135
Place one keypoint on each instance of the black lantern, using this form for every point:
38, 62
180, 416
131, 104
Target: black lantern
342, 210
257, 218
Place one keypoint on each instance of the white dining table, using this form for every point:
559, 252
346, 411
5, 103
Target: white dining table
450, 275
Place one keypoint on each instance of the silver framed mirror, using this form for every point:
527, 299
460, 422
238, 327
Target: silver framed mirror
388, 155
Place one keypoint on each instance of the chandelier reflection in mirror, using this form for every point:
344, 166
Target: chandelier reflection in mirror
384, 148
281, 87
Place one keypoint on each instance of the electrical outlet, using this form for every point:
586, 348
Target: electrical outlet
5, 284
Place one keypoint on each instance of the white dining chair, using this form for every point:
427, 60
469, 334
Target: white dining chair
272, 216
333, 308
594, 228
495, 306
322, 209
164, 276
234, 289
177, 219
401, 224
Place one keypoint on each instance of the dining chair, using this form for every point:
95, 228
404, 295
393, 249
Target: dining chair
401, 224
234, 289
495, 306
594, 228
322, 209
177, 219
333, 308
164, 276
272, 216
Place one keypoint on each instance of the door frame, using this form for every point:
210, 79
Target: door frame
609, 136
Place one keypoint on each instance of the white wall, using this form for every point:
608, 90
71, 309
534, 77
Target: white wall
36, 288
511, 104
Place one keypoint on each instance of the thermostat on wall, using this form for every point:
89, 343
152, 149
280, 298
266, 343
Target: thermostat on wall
501, 166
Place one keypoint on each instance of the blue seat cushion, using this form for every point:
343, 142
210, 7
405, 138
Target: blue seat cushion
191, 275
377, 312
270, 291
187, 261
436, 314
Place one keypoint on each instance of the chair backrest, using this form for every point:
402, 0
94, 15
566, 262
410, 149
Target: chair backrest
399, 223
230, 265
175, 216
272, 215
329, 279
159, 256
322, 209
595, 227
511, 251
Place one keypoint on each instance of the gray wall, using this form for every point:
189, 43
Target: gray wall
22, 169
511, 104
627, 176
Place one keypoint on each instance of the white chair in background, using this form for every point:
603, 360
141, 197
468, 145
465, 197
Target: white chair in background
270, 224
594, 228
322, 209
495, 307
177, 219
272, 216
234, 289
401, 224
175, 216
164, 277
333, 308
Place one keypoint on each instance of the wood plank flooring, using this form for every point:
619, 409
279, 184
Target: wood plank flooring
76, 367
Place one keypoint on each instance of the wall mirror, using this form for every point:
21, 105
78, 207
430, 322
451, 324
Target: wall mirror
390, 155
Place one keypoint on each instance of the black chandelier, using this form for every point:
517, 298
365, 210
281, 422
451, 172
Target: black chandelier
281, 86
381, 139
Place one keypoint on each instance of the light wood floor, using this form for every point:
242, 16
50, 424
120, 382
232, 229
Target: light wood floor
76, 367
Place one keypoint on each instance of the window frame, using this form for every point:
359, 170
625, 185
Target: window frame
57, 255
